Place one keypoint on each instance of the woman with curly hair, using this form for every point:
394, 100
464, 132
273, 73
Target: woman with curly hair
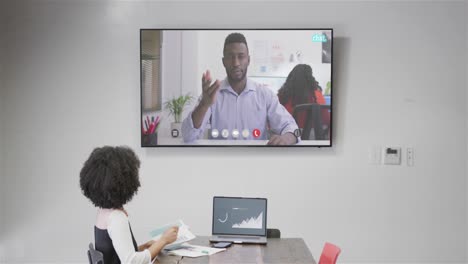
109, 178
301, 87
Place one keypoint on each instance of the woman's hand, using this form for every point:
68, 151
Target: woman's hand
146, 245
170, 235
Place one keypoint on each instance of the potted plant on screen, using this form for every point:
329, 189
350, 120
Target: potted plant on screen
176, 106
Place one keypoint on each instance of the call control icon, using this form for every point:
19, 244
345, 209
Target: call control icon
235, 133
245, 133
214, 133
297, 133
225, 133
256, 133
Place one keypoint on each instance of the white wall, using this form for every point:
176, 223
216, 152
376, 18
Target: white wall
466, 80
72, 84
2, 124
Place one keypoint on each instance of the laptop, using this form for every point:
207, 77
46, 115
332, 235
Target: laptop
239, 220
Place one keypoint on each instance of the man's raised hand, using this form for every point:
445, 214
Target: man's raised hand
209, 90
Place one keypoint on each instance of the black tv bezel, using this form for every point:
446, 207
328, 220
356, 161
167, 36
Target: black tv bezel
240, 198
229, 145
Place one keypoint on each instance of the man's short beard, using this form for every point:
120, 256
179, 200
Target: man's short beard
233, 80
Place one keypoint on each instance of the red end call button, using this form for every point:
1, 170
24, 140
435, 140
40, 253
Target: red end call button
256, 133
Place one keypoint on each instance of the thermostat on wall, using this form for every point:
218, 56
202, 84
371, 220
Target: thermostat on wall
392, 156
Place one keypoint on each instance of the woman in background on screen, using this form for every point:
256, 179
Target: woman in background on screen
301, 87
109, 178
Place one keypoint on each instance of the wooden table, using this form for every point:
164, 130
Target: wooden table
277, 251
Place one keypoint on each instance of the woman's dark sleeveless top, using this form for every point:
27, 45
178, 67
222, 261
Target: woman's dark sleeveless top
103, 243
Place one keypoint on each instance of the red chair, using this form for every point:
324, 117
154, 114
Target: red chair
330, 253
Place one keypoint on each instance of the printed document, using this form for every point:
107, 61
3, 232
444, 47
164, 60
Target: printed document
183, 235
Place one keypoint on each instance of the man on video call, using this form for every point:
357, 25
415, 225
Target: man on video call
238, 107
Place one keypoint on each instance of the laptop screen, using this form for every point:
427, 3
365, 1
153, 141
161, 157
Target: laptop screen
239, 216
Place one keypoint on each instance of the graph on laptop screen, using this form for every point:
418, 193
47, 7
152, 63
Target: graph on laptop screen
239, 216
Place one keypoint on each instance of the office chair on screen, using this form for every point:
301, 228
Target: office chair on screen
314, 116
94, 256
330, 254
273, 233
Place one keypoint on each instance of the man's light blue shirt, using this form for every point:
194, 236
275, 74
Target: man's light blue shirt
257, 107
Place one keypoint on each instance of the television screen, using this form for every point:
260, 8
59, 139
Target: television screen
246, 87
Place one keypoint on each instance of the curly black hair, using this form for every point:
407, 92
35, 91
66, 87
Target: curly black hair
235, 38
299, 84
109, 178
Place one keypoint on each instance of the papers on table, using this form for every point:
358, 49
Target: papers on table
179, 247
183, 235
187, 250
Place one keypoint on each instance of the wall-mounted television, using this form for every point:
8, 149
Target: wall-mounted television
236, 87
